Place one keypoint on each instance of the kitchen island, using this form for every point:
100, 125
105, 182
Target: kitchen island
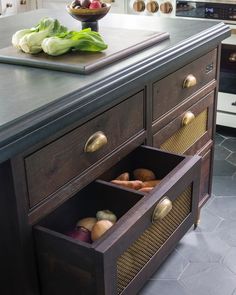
163, 97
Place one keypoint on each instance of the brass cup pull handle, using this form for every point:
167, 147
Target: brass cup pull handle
162, 209
188, 118
189, 81
95, 142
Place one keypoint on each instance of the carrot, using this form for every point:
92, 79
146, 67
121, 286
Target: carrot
133, 184
123, 176
146, 189
151, 183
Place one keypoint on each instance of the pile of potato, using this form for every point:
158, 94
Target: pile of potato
143, 180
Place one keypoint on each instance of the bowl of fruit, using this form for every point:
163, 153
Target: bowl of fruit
88, 12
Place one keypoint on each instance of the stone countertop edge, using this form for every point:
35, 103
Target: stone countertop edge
85, 102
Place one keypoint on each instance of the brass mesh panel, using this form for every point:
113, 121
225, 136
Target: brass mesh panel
186, 136
151, 240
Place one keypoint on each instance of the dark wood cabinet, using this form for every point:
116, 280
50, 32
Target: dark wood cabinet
68, 177
188, 125
64, 139
136, 244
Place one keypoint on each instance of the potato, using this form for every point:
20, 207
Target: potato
143, 174
123, 176
100, 228
146, 189
87, 222
133, 184
151, 183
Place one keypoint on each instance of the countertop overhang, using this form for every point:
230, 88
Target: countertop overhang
36, 103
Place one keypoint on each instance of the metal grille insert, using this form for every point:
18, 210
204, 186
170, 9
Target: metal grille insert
151, 240
186, 136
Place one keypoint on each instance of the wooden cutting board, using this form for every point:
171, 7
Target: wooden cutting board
121, 43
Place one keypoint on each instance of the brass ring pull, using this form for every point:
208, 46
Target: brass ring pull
95, 142
188, 118
189, 81
162, 209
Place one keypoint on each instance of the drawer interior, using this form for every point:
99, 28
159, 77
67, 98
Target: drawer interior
96, 196
160, 162
116, 263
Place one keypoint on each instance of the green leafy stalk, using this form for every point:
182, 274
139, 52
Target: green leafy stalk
30, 41
18, 35
84, 40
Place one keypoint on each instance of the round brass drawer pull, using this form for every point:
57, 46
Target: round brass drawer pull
95, 142
162, 209
188, 118
189, 81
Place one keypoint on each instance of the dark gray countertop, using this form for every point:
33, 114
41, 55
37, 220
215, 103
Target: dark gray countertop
33, 101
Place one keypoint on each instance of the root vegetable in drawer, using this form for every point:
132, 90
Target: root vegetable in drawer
69, 266
54, 165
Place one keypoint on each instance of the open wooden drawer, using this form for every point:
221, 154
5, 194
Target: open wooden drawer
131, 250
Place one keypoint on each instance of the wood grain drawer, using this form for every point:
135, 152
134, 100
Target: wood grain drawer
57, 163
169, 92
177, 137
132, 249
205, 184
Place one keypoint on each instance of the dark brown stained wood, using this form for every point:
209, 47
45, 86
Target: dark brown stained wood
64, 261
205, 177
168, 92
51, 167
34, 116
160, 162
183, 106
95, 264
141, 214
205, 103
71, 188
18, 271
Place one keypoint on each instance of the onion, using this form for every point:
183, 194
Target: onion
106, 214
87, 222
81, 234
100, 228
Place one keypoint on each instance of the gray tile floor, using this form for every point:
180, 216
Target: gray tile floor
204, 261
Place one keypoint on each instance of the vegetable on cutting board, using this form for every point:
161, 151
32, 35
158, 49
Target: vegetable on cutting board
84, 40
54, 39
30, 40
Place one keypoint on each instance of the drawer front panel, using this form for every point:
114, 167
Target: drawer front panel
187, 136
57, 163
179, 138
131, 262
205, 177
169, 92
117, 260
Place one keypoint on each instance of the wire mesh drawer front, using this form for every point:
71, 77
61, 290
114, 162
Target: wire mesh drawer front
186, 136
142, 250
